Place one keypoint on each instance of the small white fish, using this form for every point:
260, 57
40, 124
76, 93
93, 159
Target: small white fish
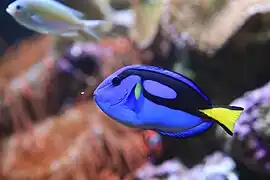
52, 17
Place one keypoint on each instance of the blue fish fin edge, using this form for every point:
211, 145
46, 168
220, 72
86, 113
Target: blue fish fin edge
188, 133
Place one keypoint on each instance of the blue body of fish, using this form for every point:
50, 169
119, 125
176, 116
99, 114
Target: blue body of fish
169, 103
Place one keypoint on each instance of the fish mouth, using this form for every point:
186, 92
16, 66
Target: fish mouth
119, 100
101, 87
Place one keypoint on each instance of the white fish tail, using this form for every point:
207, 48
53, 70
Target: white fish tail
92, 27
106, 8
123, 18
108, 12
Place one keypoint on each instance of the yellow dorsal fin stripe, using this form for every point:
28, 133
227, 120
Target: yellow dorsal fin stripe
224, 116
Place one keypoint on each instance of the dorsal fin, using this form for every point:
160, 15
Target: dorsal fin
73, 11
76, 12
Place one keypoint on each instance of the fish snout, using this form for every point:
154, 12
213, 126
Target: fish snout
109, 97
8, 10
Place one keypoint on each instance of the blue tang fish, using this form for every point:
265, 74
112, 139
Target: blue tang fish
169, 103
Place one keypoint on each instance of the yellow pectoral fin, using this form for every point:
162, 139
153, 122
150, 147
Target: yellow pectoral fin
226, 116
138, 90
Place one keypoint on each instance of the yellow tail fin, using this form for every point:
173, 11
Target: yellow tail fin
225, 116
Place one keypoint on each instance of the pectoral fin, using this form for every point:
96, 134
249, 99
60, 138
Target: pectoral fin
37, 19
138, 90
135, 99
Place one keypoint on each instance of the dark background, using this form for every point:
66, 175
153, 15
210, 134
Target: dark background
10, 31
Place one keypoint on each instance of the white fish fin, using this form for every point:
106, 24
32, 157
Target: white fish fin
70, 34
73, 11
108, 12
76, 13
123, 17
93, 23
92, 33
37, 19
91, 27
105, 7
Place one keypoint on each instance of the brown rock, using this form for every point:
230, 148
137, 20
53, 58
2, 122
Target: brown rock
210, 27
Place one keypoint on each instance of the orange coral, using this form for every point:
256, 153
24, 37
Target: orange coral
124, 54
23, 55
14, 80
82, 143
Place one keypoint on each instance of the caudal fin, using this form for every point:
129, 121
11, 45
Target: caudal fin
108, 12
225, 116
123, 18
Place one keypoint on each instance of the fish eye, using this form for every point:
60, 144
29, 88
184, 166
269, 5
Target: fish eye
116, 81
18, 7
